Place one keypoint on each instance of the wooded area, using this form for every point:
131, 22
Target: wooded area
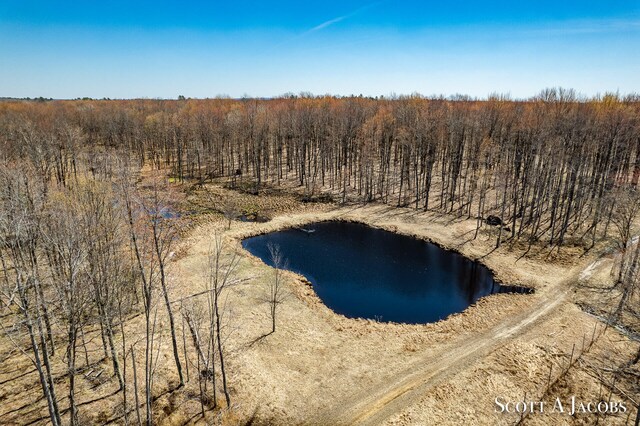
551, 167
83, 244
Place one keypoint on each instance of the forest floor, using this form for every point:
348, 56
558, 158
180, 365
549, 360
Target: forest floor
322, 368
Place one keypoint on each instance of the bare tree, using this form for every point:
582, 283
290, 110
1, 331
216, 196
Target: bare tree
626, 207
221, 270
204, 362
275, 289
164, 232
230, 210
147, 268
20, 237
208, 323
109, 271
629, 280
66, 247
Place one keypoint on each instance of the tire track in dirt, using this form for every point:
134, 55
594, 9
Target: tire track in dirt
372, 406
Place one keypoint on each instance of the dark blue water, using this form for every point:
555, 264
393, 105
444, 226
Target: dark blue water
363, 272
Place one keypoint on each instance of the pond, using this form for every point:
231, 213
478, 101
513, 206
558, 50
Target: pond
363, 272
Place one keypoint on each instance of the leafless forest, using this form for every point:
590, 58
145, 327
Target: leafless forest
85, 241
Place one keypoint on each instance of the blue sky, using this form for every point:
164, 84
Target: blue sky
126, 49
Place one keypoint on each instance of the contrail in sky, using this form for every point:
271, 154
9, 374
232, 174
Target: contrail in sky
326, 24
339, 18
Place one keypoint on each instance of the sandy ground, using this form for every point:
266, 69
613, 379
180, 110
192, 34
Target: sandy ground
322, 368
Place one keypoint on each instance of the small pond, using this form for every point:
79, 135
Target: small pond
363, 272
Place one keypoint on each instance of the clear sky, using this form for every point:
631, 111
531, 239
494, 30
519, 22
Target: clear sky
126, 49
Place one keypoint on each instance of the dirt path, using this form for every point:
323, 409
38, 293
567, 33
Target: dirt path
372, 406
324, 369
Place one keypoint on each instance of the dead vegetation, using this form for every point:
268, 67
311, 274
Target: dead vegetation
117, 309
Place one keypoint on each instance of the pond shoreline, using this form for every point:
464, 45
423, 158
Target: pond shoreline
318, 352
392, 229
438, 230
441, 282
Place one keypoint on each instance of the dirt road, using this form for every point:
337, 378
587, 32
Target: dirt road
372, 406
324, 369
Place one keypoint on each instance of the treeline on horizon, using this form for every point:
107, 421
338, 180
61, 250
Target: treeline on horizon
576, 96
554, 166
